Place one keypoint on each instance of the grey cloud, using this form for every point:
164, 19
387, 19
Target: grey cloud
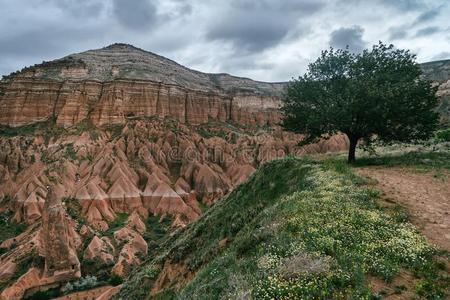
258, 25
404, 5
397, 33
428, 15
427, 31
78, 8
348, 36
254, 34
135, 15
442, 56
259, 38
45, 43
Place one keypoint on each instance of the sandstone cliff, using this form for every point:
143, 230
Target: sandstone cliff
108, 85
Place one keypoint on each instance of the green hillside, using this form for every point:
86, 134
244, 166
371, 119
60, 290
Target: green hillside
297, 229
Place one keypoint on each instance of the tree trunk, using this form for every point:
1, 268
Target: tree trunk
351, 151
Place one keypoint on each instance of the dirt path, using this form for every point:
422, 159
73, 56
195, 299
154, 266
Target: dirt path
426, 198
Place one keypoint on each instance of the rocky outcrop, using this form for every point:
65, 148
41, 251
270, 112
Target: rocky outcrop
27, 100
60, 241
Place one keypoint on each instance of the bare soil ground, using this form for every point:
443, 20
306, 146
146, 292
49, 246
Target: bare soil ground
425, 195
426, 198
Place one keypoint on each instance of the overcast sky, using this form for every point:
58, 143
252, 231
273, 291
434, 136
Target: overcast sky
270, 40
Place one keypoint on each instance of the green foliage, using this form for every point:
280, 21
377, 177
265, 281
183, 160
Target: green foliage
115, 280
115, 130
9, 229
417, 159
85, 126
24, 263
117, 223
156, 231
47, 128
44, 295
443, 135
84, 283
297, 229
377, 94
70, 152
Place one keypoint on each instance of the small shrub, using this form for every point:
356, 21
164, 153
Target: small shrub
81, 284
443, 135
115, 280
70, 152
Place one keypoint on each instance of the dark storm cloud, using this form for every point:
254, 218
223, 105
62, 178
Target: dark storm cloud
348, 36
135, 15
427, 31
257, 25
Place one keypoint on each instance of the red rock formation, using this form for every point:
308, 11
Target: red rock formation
60, 243
181, 138
28, 101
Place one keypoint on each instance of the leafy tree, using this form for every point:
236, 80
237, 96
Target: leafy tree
375, 95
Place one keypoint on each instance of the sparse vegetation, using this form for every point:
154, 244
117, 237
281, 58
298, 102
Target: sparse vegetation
117, 223
114, 130
70, 152
156, 230
443, 135
81, 284
8, 228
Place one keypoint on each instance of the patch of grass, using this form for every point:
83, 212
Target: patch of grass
420, 160
70, 152
443, 135
117, 223
317, 214
45, 295
73, 209
24, 263
9, 229
86, 126
156, 231
115, 130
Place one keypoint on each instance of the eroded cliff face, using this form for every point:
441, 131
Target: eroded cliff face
108, 85
121, 147
26, 101
108, 183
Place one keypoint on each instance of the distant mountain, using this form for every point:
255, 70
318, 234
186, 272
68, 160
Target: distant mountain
128, 62
439, 72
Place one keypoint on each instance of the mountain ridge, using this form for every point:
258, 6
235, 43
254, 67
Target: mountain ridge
125, 61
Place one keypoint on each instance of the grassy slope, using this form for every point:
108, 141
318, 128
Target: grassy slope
296, 228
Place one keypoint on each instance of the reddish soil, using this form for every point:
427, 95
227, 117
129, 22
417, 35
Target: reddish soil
426, 197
